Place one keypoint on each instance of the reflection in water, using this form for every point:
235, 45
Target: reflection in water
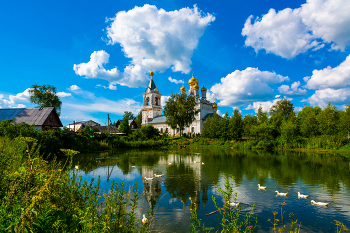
189, 177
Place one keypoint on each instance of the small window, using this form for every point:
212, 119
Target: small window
50, 117
147, 101
192, 130
132, 126
161, 130
166, 129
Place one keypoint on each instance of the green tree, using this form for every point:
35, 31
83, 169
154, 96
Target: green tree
138, 119
289, 129
236, 125
45, 96
180, 111
261, 116
328, 120
129, 115
150, 132
308, 121
279, 112
211, 127
248, 123
223, 131
124, 127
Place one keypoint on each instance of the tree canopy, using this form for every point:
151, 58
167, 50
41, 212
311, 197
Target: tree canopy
180, 111
124, 127
45, 96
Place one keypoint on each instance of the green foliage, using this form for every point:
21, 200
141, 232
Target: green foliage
283, 109
150, 132
211, 127
180, 111
329, 120
235, 125
45, 96
230, 214
124, 127
40, 196
138, 119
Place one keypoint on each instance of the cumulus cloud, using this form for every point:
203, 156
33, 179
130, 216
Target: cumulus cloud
11, 101
292, 31
163, 100
95, 68
155, 37
242, 87
174, 80
338, 77
323, 97
74, 87
63, 94
293, 90
265, 105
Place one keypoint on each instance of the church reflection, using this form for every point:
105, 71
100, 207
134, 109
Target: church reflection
182, 177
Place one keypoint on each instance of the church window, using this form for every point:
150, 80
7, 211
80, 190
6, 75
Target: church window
166, 129
157, 100
192, 130
161, 130
147, 101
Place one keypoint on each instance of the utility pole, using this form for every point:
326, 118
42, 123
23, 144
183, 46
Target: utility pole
108, 123
74, 125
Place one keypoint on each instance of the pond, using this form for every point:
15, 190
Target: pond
190, 177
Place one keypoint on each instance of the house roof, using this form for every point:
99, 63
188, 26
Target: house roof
129, 121
82, 122
30, 116
112, 129
158, 119
208, 115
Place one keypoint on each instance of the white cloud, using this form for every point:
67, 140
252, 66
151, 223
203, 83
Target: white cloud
63, 94
11, 101
242, 87
152, 37
293, 90
74, 87
174, 80
163, 100
292, 31
277, 96
338, 77
323, 97
95, 68
265, 105
329, 20
298, 109
281, 33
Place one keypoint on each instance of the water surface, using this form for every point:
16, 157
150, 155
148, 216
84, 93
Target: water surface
191, 177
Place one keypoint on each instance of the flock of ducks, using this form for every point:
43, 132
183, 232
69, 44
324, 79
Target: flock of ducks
299, 196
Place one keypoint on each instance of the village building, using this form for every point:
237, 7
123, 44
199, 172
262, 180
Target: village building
40, 118
152, 109
132, 124
75, 126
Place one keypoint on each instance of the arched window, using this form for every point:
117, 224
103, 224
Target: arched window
157, 101
161, 130
147, 101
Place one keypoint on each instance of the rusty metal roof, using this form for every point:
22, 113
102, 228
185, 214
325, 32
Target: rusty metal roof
36, 116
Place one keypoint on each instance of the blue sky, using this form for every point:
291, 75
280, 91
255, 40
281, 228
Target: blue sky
247, 53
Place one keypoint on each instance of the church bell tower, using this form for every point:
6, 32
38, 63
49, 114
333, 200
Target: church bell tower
151, 102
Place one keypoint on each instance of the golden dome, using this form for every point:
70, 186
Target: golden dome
196, 87
192, 81
203, 88
215, 105
151, 73
183, 88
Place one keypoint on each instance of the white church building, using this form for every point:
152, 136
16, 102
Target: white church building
152, 109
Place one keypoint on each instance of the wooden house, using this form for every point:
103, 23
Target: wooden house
75, 126
132, 124
40, 118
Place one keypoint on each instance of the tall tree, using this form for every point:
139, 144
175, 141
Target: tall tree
308, 121
138, 119
45, 96
124, 127
248, 123
281, 111
180, 111
235, 125
328, 120
129, 115
262, 116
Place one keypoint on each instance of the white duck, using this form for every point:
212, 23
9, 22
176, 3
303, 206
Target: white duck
234, 204
302, 196
76, 167
319, 203
281, 194
202, 163
261, 187
144, 219
151, 178
169, 163
155, 175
